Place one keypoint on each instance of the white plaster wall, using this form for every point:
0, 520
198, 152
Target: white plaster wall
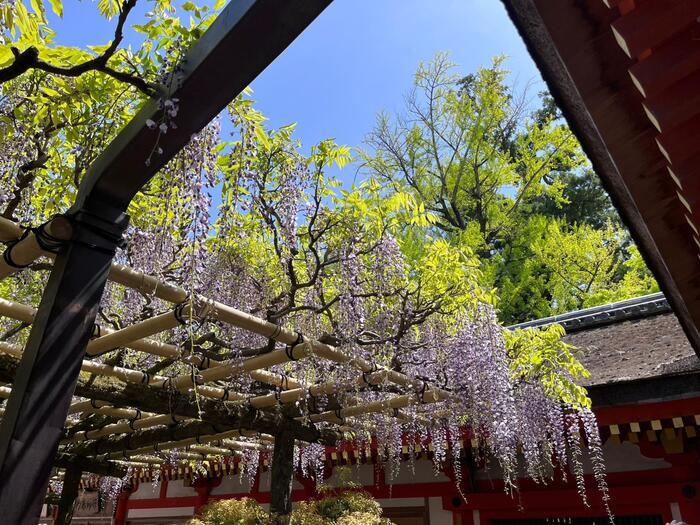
422, 471
232, 485
401, 502
438, 515
177, 489
626, 457
619, 457
169, 512
146, 491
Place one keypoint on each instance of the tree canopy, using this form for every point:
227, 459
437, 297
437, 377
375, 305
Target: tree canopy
507, 179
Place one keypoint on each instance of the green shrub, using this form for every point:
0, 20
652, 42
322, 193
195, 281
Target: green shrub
244, 511
353, 507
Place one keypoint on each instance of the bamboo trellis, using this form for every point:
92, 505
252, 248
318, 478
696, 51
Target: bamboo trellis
130, 423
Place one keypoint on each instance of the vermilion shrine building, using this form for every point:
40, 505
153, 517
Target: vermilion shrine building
645, 387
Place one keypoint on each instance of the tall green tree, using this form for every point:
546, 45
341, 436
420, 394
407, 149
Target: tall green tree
500, 177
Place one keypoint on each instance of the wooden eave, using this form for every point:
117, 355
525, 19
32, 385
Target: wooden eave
627, 77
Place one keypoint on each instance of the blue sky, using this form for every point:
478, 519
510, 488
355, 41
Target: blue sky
356, 59
359, 56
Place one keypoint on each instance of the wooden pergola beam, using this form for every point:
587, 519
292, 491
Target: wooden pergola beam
101, 468
149, 438
163, 401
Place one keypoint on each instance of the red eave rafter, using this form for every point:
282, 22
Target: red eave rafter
663, 39
627, 76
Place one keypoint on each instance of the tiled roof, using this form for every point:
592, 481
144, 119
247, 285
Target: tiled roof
646, 347
635, 339
601, 315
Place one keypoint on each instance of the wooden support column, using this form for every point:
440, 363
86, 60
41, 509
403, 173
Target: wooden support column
71, 486
282, 470
43, 386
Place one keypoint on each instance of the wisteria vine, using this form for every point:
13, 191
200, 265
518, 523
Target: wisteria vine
285, 244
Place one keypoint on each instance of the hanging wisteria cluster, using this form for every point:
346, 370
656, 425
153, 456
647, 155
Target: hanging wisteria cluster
257, 225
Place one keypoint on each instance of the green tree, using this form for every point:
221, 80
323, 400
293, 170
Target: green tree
585, 267
495, 175
584, 201
60, 105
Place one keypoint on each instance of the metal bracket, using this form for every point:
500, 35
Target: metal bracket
102, 231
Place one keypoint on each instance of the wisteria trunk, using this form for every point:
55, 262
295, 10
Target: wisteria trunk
282, 470
71, 485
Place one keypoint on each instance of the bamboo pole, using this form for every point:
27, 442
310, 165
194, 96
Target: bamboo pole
184, 443
121, 274
148, 327
89, 405
331, 387
121, 413
212, 450
152, 399
133, 376
235, 317
134, 464
26, 314
186, 381
136, 423
141, 461
27, 250
149, 284
395, 402
125, 374
224, 370
227, 369
254, 324
17, 311
146, 461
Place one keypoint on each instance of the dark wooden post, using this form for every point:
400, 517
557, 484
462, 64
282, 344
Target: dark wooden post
282, 470
71, 486
45, 380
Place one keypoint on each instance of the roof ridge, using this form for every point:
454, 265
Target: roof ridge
636, 308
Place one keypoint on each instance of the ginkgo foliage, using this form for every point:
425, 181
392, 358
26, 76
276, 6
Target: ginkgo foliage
507, 179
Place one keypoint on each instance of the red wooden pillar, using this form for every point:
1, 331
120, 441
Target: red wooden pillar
690, 506
204, 486
122, 507
309, 486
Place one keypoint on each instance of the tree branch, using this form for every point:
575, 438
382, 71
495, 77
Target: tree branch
29, 59
24, 179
